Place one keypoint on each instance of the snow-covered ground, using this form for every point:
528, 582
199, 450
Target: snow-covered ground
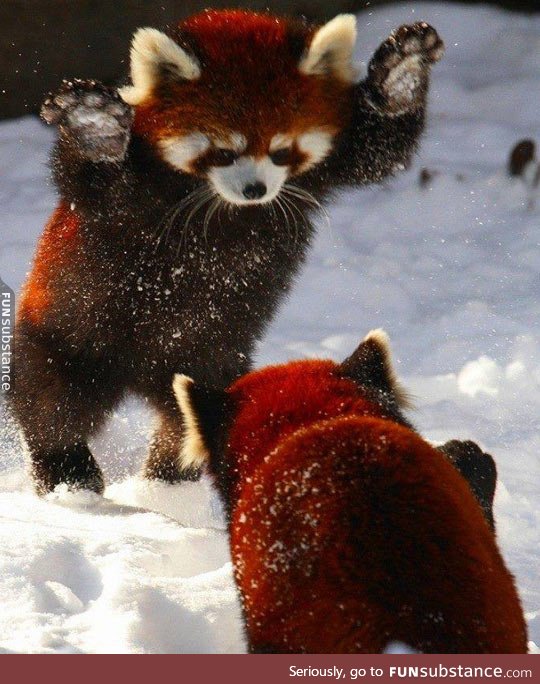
451, 271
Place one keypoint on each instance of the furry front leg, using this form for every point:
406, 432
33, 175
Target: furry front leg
89, 161
388, 111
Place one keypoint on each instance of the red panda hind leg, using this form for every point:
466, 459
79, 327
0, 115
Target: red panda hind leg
59, 403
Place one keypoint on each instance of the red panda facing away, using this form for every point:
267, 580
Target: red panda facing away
347, 530
186, 208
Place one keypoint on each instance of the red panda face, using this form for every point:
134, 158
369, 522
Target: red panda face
243, 100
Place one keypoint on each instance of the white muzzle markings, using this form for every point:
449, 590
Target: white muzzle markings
233, 182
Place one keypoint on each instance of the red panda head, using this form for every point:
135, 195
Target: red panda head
241, 425
241, 99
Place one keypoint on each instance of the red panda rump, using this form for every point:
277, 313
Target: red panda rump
347, 530
357, 533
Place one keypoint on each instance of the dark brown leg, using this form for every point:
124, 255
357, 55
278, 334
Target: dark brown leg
59, 403
162, 462
478, 468
72, 465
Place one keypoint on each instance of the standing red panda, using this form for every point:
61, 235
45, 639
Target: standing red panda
347, 530
186, 201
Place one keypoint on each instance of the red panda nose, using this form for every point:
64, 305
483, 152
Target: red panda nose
254, 190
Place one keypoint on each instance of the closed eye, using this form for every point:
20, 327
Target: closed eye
281, 157
224, 157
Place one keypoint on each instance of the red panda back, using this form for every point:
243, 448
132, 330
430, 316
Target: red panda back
356, 533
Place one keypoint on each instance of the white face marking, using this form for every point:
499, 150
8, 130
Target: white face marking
231, 182
234, 141
238, 142
316, 144
182, 151
280, 141
235, 182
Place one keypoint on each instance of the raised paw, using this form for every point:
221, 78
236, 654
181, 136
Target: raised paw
398, 71
95, 120
478, 468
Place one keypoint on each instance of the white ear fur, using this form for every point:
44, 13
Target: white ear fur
381, 339
151, 50
331, 49
193, 450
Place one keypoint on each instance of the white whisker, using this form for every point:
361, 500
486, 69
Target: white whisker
209, 213
291, 206
200, 201
301, 194
281, 205
171, 215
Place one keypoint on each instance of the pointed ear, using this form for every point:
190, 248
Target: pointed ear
203, 413
331, 49
155, 56
371, 366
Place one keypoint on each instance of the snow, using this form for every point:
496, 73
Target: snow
451, 271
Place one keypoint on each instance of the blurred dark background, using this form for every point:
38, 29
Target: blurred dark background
42, 41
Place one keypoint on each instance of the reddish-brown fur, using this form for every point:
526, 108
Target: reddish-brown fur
348, 530
56, 245
269, 48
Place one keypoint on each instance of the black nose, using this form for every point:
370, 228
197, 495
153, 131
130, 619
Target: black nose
254, 190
